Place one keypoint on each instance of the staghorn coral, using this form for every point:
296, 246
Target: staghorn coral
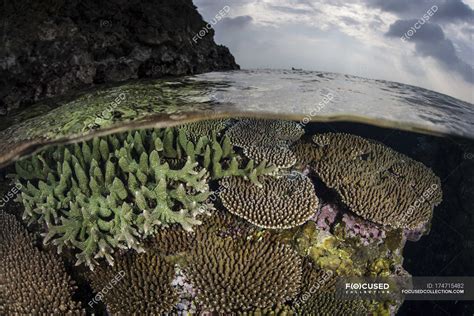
374, 181
137, 284
233, 275
31, 281
266, 140
217, 156
279, 204
109, 192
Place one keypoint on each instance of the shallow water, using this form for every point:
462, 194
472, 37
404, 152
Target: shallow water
403, 118
295, 95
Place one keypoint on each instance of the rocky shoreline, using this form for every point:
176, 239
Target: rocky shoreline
54, 47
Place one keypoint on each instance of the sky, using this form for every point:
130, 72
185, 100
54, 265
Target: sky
357, 37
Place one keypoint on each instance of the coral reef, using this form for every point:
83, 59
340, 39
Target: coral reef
171, 240
325, 217
186, 293
231, 275
367, 232
266, 140
279, 204
278, 156
136, 284
207, 128
109, 192
374, 181
31, 281
318, 297
217, 156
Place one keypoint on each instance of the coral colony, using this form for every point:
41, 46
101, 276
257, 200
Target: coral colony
210, 217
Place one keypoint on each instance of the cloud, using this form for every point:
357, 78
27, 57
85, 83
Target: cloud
353, 37
430, 41
239, 21
449, 11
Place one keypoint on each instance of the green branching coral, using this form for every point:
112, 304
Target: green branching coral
31, 281
374, 181
138, 284
238, 275
110, 192
280, 203
216, 155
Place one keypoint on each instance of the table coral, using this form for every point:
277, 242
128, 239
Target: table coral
279, 204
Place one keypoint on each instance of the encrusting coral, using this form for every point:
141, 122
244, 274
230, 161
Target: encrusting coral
232, 275
137, 284
31, 281
374, 181
110, 192
280, 203
266, 140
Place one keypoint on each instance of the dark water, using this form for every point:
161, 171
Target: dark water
448, 249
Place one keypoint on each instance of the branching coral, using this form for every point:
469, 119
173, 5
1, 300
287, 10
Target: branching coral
233, 275
266, 140
217, 156
31, 281
280, 203
374, 181
138, 284
109, 192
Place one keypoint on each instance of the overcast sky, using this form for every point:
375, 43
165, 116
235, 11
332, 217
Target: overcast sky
358, 37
